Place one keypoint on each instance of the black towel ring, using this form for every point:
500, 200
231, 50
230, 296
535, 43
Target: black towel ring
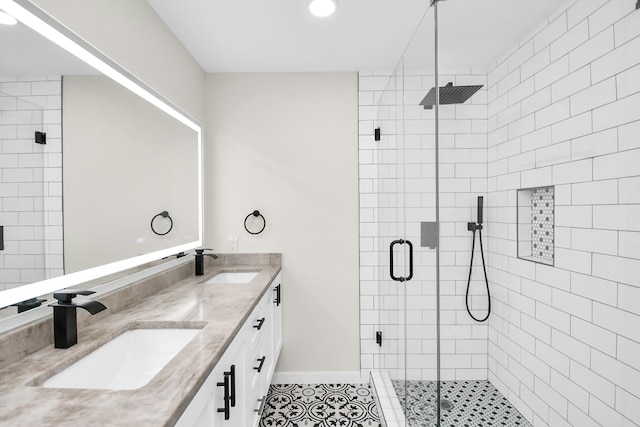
163, 214
255, 213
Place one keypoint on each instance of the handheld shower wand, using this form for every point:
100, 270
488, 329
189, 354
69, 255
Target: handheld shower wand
471, 226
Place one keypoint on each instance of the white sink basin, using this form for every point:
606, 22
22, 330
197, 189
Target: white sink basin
127, 362
233, 277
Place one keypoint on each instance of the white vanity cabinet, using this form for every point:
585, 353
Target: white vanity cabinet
233, 395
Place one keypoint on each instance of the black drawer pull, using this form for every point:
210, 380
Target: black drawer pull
260, 323
232, 384
261, 360
277, 291
262, 401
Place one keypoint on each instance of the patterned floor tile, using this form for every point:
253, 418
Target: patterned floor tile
472, 404
320, 405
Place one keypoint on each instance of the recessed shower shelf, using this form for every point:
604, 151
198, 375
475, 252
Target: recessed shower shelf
535, 224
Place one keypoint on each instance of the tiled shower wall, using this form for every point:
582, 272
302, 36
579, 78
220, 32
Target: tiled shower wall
564, 110
31, 184
391, 178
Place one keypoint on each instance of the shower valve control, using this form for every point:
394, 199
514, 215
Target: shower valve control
472, 226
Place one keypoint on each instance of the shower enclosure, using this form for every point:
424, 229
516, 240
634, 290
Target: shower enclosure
422, 177
551, 142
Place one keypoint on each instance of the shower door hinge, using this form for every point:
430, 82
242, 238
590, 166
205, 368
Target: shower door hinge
379, 338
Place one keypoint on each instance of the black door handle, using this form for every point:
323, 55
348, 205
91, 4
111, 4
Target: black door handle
391, 272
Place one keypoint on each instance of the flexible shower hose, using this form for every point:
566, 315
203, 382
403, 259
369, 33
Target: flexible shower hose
486, 280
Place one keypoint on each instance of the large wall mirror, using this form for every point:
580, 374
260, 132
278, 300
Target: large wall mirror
99, 173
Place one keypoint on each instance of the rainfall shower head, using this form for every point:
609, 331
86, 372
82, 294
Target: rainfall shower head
449, 94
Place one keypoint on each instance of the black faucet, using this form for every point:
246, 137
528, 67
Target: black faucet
200, 260
65, 324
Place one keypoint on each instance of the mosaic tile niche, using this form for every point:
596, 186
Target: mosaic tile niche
536, 224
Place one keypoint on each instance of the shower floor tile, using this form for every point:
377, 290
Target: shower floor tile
474, 404
320, 405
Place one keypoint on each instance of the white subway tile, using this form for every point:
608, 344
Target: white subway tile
599, 290
555, 400
554, 277
595, 144
550, 33
522, 161
628, 82
597, 241
577, 171
595, 193
573, 83
555, 318
607, 15
552, 357
627, 28
606, 415
616, 217
536, 177
623, 57
581, 10
554, 113
573, 216
510, 81
593, 49
537, 139
522, 126
628, 405
628, 352
617, 113
574, 393
574, 127
570, 40
580, 418
572, 304
522, 91
520, 56
595, 384
618, 165
595, 336
629, 245
616, 320
553, 154
624, 270
554, 72
623, 375
541, 60
628, 136
573, 260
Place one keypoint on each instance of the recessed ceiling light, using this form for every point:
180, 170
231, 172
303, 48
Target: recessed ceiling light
6, 19
323, 8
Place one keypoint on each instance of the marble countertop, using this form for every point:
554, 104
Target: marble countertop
219, 309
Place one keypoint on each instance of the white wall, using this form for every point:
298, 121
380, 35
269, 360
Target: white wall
564, 110
133, 35
286, 144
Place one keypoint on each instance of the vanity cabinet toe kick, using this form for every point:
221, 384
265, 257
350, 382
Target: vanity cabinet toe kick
235, 392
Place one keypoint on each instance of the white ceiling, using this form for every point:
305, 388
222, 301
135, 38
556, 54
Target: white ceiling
281, 35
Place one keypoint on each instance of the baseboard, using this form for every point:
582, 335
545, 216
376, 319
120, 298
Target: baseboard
339, 377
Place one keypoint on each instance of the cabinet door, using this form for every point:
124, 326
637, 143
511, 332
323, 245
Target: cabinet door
219, 401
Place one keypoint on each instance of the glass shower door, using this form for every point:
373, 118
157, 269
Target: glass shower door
408, 236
